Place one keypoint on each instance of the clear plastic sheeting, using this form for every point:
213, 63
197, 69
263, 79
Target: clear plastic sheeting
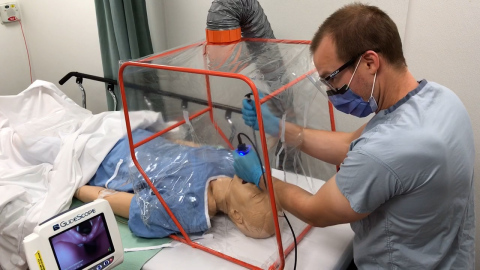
181, 172
199, 89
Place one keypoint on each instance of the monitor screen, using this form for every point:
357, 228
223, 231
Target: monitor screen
82, 244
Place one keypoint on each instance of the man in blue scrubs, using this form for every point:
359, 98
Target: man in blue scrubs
406, 177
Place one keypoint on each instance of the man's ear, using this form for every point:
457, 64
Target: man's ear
372, 61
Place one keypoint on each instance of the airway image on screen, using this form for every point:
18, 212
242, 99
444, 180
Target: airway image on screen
83, 244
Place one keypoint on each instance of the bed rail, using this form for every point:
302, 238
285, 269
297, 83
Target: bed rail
111, 85
80, 76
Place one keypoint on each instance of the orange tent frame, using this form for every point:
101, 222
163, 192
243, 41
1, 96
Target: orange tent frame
258, 102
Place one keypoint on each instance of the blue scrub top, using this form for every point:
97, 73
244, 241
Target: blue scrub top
412, 170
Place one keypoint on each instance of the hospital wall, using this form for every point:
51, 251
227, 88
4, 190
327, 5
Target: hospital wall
440, 38
14, 70
62, 37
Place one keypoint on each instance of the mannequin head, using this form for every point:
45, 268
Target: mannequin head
246, 205
250, 210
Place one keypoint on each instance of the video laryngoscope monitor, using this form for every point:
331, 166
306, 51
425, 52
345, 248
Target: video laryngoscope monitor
85, 237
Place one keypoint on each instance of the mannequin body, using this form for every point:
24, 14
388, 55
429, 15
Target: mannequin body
246, 205
196, 182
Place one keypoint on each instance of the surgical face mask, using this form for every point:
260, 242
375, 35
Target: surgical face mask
345, 100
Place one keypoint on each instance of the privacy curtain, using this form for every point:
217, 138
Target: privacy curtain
124, 34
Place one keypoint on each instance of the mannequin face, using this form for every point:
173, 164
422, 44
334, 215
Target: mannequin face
250, 210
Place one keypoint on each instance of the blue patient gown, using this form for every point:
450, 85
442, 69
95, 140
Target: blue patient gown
181, 175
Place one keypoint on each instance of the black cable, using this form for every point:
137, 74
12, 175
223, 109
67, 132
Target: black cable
294, 240
265, 182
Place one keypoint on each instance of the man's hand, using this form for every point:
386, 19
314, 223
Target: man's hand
248, 167
271, 122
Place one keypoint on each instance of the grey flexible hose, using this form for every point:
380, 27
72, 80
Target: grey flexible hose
247, 14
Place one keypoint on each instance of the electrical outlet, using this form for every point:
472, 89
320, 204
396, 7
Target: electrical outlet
9, 12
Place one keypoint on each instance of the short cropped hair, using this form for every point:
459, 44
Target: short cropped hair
356, 28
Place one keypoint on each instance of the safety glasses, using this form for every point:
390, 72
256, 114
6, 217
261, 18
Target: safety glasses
320, 82
335, 73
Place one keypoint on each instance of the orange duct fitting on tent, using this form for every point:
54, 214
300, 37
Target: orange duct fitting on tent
223, 36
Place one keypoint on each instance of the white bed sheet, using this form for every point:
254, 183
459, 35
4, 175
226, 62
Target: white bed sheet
49, 146
322, 248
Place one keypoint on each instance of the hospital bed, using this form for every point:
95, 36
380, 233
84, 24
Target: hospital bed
329, 247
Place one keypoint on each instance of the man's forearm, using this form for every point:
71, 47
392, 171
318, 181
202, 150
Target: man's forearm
284, 193
328, 206
331, 147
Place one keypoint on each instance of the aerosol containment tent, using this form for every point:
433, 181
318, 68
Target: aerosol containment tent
198, 90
